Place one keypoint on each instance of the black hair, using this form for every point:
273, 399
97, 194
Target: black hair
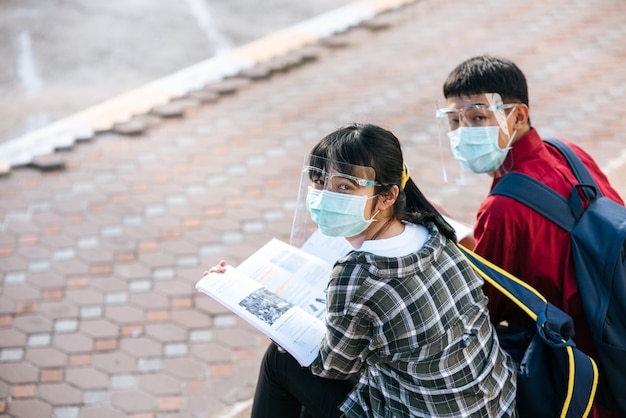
487, 74
372, 146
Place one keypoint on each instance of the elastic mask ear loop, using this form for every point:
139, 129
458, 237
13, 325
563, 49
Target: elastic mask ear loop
377, 212
373, 216
508, 145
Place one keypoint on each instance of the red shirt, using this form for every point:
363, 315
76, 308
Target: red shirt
523, 242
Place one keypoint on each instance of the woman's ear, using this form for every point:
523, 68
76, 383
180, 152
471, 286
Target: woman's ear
388, 198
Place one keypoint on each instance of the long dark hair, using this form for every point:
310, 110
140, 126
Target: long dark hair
372, 146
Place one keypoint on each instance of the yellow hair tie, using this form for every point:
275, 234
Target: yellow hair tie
405, 175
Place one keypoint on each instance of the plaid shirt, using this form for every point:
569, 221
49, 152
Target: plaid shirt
417, 329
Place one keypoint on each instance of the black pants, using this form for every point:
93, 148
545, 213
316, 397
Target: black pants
287, 390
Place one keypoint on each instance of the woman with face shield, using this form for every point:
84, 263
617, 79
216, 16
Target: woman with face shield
408, 331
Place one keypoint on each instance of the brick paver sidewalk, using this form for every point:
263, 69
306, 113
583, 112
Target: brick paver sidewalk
98, 312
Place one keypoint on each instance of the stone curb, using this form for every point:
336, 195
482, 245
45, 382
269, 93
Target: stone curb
102, 117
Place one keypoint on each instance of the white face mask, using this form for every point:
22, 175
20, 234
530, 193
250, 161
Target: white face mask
477, 149
338, 214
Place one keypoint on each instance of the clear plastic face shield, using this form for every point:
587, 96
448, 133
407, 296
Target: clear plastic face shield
331, 203
474, 135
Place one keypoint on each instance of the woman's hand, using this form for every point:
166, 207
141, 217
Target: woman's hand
218, 268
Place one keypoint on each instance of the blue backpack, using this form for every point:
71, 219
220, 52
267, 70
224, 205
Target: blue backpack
598, 239
554, 378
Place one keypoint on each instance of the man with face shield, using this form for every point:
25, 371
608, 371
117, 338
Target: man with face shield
485, 120
407, 329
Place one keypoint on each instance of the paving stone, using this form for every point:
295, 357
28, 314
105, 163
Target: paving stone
175, 349
11, 338
52, 375
200, 336
14, 263
164, 273
160, 384
99, 328
46, 280
46, 357
57, 310
124, 314
212, 353
11, 354
101, 411
174, 288
190, 318
141, 347
73, 343
39, 340
150, 364
149, 300
138, 286
203, 96
65, 412
15, 373
65, 325
4, 390
133, 401
123, 381
116, 298
95, 397
228, 86
70, 267
33, 252
29, 408
87, 378
132, 271
166, 332
58, 394
84, 296
48, 162
90, 312
185, 368
108, 284
133, 127
115, 362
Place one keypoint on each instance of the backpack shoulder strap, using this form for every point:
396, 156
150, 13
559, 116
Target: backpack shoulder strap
536, 196
578, 168
522, 294
584, 177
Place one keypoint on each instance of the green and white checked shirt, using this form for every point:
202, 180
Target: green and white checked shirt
417, 329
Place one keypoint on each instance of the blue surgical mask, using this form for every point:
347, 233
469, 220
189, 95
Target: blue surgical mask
477, 149
338, 214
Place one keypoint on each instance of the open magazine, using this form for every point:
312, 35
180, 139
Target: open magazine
281, 291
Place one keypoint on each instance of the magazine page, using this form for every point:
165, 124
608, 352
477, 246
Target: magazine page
329, 249
298, 332
295, 275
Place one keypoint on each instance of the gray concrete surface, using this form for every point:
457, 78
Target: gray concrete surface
59, 57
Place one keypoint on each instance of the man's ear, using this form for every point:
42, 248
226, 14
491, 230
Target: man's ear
521, 117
